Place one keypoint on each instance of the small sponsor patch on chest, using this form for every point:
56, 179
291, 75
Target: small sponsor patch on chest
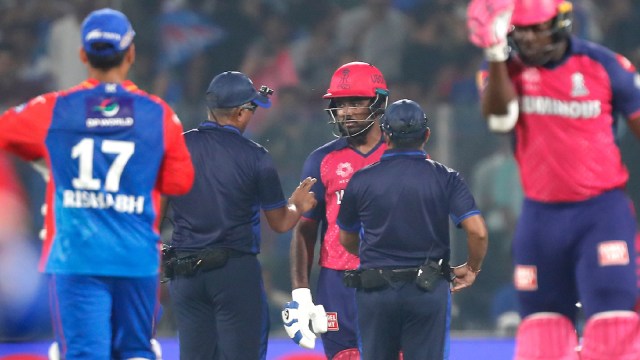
613, 252
332, 321
525, 277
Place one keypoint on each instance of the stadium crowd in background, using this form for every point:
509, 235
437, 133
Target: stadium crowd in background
188, 41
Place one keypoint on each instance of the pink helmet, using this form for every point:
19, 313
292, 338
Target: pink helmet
531, 12
356, 79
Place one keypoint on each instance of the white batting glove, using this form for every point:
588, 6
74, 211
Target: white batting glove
303, 320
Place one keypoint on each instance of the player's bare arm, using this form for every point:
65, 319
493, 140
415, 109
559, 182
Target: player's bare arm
498, 91
488, 22
303, 243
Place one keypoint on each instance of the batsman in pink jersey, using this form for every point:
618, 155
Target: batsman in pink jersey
559, 97
357, 98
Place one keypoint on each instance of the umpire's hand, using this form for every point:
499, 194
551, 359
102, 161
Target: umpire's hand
302, 197
465, 276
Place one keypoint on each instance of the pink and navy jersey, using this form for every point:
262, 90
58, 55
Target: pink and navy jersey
565, 136
333, 165
112, 150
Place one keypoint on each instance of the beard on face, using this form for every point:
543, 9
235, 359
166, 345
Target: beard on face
360, 133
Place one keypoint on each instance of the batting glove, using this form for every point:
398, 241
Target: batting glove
488, 22
303, 320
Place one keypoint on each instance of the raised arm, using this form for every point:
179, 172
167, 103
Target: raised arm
302, 200
488, 22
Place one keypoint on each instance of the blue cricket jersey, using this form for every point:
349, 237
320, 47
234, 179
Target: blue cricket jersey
112, 150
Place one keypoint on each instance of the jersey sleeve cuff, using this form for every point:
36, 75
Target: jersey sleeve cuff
458, 220
354, 228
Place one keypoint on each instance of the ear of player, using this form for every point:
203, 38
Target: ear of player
303, 320
488, 22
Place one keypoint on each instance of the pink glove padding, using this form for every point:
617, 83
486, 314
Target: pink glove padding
488, 22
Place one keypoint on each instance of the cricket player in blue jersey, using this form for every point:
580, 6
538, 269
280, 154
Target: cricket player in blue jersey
395, 217
110, 150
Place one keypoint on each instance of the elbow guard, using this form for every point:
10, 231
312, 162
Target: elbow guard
504, 123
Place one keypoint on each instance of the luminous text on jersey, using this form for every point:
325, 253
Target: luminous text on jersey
542, 105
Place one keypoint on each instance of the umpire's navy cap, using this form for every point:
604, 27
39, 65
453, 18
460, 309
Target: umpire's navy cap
107, 26
404, 119
231, 89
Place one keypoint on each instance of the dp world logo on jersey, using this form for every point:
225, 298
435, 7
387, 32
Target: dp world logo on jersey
107, 107
109, 112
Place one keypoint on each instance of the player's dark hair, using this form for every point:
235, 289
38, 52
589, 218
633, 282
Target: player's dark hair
407, 142
105, 62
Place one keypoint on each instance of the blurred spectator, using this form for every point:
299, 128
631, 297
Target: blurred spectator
268, 61
63, 62
186, 34
376, 33
314, 53
14, 88
620, 26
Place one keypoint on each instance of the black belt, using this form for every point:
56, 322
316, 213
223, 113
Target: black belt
377, 278
400, 274
188, 263
424, 276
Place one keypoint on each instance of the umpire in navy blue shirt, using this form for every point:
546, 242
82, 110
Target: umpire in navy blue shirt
395, 216
216, 282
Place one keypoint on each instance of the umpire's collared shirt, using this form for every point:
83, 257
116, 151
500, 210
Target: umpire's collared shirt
401, 207
235, 178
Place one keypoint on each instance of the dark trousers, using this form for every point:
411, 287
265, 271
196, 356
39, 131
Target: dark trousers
222, 314
403, 317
